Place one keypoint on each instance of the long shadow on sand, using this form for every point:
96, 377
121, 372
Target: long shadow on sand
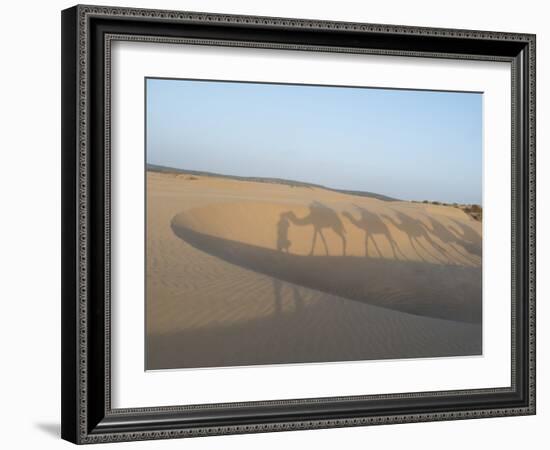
433, 290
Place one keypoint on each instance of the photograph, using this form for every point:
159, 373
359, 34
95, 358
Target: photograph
297, 223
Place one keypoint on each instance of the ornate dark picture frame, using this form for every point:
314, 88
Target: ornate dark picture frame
87, 33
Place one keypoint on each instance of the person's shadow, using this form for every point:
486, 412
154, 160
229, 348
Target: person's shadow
283, 243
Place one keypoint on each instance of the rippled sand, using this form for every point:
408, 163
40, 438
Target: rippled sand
244, 273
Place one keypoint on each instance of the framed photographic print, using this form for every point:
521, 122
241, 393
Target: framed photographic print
276, 224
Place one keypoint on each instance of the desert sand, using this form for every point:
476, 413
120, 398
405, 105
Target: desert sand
245, 272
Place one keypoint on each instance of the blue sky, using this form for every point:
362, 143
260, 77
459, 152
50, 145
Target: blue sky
412, 145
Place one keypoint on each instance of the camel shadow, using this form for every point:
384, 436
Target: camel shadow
465, 244
371, 224
469, 238
320, 217
415, 231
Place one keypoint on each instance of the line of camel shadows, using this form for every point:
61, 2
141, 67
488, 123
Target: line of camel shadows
365, 279
321, 217
463, 239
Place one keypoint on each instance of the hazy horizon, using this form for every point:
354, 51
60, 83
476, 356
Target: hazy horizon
406, 144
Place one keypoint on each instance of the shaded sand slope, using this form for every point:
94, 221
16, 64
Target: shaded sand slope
433, 290
242, 273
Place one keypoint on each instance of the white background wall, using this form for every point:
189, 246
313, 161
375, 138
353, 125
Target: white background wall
30, 222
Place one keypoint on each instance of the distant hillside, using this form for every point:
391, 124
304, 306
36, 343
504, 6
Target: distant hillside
291, 183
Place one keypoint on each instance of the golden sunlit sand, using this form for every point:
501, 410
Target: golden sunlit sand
248, 272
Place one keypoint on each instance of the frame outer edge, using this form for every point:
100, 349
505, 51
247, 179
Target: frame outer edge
69, 233
75, 209
297, 23
532, 143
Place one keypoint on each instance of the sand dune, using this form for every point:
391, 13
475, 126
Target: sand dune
243, 272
